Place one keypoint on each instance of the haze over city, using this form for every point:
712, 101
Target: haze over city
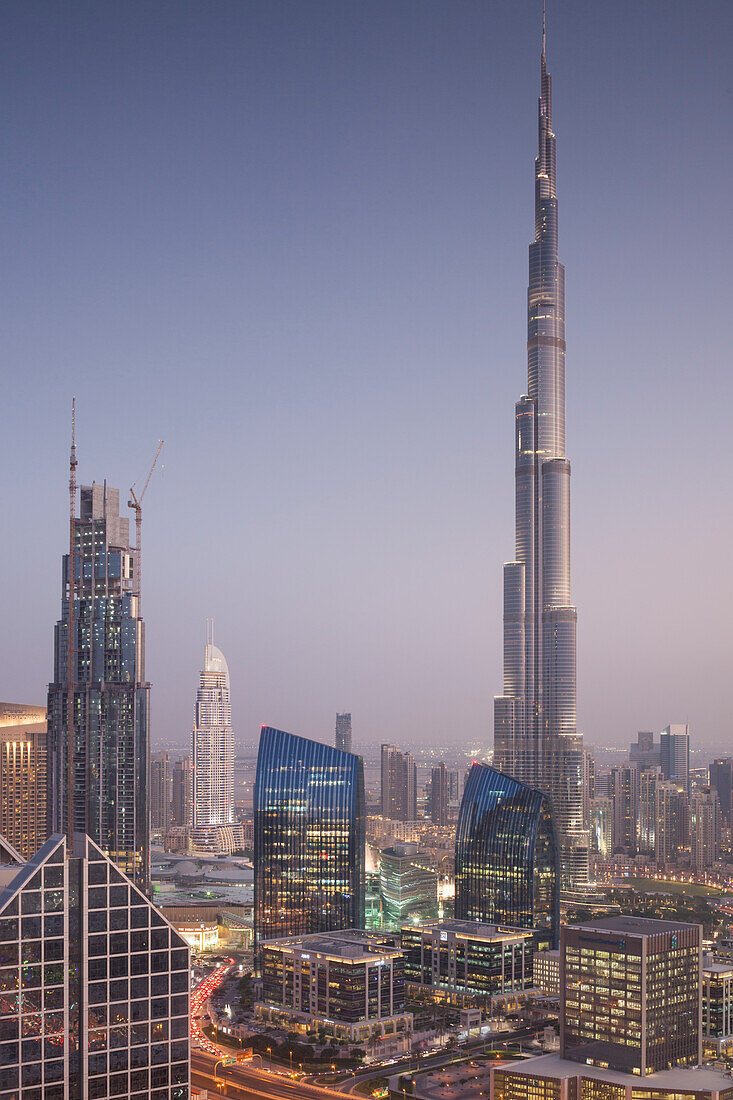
291, 241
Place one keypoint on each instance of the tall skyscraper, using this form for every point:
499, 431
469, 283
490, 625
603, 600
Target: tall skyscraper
439, 794
721, 780
535, 728
399, 784
704, 829
310, 837
103, 1007
343, 732
161, 792
104, 772
674, 754
644, 753
212, 742
507, 868
23, 811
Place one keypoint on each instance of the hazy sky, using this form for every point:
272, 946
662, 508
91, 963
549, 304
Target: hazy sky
290, 238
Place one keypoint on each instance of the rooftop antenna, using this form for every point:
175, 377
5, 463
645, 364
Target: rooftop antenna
70, 632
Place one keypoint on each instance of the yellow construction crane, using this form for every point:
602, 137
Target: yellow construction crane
136, 503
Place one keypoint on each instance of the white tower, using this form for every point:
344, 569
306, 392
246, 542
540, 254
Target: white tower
212, 741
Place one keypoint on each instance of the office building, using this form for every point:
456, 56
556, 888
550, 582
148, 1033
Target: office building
212, 745
536, 739
95, 999
549, 1077
343, 732
674, 755
161, 793
546, 972
507, 868
466, 963
717, 1008
645, 754
98, 783
23, 807
721, 780
309, 838
439, 794
704, 829
408, 886
630, 994
182, 786
399, 784
348, 984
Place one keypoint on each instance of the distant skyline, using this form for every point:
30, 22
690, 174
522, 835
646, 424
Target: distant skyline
270, 234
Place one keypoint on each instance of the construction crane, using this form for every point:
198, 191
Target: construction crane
136, 503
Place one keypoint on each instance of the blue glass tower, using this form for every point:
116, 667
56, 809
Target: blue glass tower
507, 859
309, 837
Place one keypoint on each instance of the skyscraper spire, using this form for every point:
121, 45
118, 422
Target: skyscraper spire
535, 734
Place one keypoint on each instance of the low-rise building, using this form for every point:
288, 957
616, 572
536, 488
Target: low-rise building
348, 984
550, 1077
546, 968
465, 962
717, 1008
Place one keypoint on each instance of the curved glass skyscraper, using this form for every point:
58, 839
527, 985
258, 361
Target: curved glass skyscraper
507, 866
309, 837
535, 734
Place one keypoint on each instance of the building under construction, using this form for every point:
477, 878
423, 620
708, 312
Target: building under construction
108, 758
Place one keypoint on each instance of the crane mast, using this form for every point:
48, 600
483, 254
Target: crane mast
136, 503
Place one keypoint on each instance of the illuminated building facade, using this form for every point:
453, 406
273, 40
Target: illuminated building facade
630, 994
399, 784
409, 888
212, 743
464, 962
350, 984
111, 698
343, 732
309, 827
94, 983
535, 724
507, 866
23, 812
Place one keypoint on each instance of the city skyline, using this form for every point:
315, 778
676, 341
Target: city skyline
412, 419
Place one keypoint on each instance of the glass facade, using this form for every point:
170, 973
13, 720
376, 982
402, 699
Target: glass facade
94, 984
409, 890
507, 867
212, 743
109, 785
535, 734
309, 837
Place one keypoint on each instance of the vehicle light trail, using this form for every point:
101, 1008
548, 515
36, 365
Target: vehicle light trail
199, 997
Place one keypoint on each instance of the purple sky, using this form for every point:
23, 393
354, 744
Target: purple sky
291, 239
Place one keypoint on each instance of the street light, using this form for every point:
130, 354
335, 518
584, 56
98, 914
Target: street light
269, 1051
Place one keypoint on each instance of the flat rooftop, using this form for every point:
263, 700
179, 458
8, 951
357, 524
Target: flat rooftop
632, 926
695, 1079
350, 943
471, 928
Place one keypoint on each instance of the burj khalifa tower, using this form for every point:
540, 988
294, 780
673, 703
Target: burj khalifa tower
535, 726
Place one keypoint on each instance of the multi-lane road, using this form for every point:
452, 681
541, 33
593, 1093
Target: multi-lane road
244, 1082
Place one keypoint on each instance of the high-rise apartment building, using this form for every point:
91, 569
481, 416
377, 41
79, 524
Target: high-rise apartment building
439, 794
535, 725
23, 809
310, 837
672, 824
95, 999
182, 784
721, 780
98, 785
399, 784
704, 829
507, 865
630, 994
161, 792
646, 821
624, 797
343, 732
674, 754
212, 743
645, 754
